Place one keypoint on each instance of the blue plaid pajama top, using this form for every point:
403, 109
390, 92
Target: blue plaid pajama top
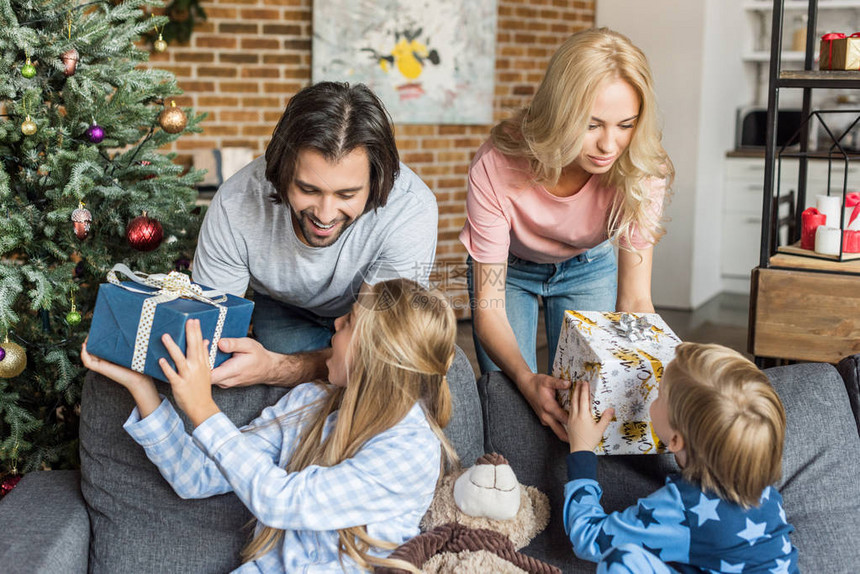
387, 485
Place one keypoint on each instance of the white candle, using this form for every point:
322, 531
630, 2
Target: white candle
831, 206
827, 240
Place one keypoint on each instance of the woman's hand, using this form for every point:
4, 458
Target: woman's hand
191, 381
140, 386
540, 392
583, 431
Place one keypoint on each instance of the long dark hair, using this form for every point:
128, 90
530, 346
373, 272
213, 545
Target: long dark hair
334, 118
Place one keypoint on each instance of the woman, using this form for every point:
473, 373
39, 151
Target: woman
337, 474
578, 170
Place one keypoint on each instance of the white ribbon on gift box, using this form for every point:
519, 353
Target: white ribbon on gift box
171, 286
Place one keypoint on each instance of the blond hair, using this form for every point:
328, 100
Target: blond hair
402, 347
731, 420
549, 132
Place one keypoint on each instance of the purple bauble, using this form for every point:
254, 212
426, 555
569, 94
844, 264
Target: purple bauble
2, 353
95, 133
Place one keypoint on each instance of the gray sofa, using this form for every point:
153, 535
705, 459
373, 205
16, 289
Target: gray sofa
118, 515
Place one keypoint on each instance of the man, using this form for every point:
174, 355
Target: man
327, 209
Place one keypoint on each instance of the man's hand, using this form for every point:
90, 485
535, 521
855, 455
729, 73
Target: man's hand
539, 391
191, 382
250, 364
584, 433
253, 364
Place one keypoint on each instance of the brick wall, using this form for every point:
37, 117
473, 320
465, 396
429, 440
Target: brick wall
243, 64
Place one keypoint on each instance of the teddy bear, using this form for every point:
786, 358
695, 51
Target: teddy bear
479, 518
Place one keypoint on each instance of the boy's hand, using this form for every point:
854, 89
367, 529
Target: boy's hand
583, 431
191, 381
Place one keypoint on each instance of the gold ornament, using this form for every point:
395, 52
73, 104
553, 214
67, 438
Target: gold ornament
15, 360
160, 45
70, 61
172, 119
28, 127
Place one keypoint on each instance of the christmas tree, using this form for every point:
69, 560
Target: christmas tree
82, 186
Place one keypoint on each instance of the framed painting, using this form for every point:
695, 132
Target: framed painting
430, 61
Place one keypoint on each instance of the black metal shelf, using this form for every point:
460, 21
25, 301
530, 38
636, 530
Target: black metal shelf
806, 80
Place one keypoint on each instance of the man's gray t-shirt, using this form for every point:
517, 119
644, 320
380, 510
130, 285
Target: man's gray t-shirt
246, 238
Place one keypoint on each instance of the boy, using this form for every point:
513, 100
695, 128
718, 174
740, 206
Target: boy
720, 417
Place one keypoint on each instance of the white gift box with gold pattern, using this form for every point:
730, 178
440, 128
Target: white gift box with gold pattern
622, 356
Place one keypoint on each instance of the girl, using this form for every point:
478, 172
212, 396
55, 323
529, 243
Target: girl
578, 169
337, 475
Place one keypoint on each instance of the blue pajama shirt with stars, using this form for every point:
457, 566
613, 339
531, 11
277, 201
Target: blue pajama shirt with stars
678, 528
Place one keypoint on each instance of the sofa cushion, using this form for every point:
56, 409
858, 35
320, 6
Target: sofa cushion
465, 430
48, 529
140, 525
820, 465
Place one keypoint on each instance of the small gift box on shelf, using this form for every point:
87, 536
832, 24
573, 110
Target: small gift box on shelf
131, 316
622, 356
839, 52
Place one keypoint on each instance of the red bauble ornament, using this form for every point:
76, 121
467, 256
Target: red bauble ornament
144, 233
8, 483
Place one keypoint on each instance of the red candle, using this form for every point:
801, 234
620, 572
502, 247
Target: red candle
850, 241
810, 220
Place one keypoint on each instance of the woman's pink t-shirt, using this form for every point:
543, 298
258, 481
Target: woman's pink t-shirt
507, 212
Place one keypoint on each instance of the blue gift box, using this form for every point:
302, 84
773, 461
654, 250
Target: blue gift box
118, 311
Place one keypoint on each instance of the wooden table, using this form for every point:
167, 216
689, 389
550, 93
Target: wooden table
805, 309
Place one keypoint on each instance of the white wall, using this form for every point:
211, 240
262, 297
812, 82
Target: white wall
723, 90
694, 53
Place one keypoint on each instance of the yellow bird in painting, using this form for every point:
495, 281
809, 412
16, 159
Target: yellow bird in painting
408, 55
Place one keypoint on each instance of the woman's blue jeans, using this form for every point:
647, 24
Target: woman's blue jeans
587, 282
287, 329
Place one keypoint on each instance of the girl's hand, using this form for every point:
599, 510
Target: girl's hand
139, 385
129, 379
191, 381
582, 430
539, 390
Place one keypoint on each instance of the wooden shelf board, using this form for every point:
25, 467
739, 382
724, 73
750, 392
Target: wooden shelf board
819, 79
793, 257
